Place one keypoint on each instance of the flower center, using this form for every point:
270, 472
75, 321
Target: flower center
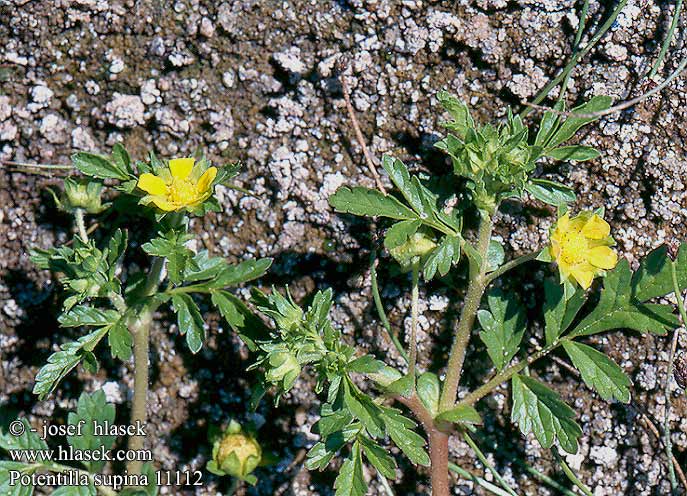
573, 247
182, 191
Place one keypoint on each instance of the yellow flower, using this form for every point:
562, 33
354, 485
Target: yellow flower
179, 187
581, 247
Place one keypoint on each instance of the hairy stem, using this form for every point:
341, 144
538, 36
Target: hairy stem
81, 224
413, 320
509, 266
570, 474
505, 375
576, 47
139, 413
476, 287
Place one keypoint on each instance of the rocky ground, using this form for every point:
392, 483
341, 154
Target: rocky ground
258, 81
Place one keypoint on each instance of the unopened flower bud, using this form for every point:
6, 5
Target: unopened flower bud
235, 453
83, 194
283, 368
413, 250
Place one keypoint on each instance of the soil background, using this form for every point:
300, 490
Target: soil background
259, 82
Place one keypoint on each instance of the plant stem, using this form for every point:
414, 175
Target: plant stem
141, 334
476, 286
489, 466
671, 360
505, 375
380, 307
477, 480
669, 38
576, 47
81, 224
510, 265
545, 478
413, 320
576, 57
570, 474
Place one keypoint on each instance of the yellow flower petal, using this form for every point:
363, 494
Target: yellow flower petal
603, 257
163, 204
181, 167
596, 228
583, 274
206, 179
152, 184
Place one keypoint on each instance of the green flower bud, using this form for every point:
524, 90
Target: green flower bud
283, 368
235, 453
83, 194
418, 246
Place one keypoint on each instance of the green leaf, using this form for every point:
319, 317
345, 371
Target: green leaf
370, 203
115, 250
399, 429
540, 410
27, 441
84, 315
88, 490
15, 489
379, 457
121, 158
654, 276
120, 340
495, 255
429, 390
170, 246
242, 320
245, 271
618, 310
405, 386
599, 372
400, 176
550, 192
503, 327
442, 257
574, 153
459, 112
190, 321
351, 481
61, 363
364, 409
559, 312
570, 126
462, 414
549, 124
92, 408
398, 234
98, 166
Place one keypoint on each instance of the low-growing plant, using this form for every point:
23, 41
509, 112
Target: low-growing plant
424, 232
107, 299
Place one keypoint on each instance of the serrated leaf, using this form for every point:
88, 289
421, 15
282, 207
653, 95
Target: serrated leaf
654, 276
550, 192
84, 315
364, 409
398, 234
538, 409
549, 124
599, 372
98, 166
27, 441
559, 312
370, 203
15, 489
351, 481
401, 178
574, 153
245, 271
92, 408
61, 363
121, 157
120, 340
570, 126
399, 429
462, 414
442, 258
318, 457
404, 386
242, 320
503, 327
190, 321
459, 112
617, 310
378, 457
